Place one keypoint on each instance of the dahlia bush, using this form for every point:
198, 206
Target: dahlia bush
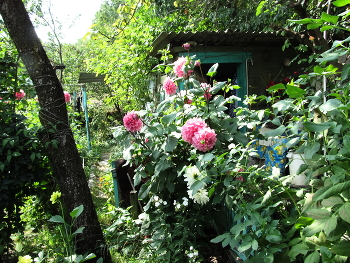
176, 147
191, 162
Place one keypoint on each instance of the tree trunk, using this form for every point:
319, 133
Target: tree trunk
64, 158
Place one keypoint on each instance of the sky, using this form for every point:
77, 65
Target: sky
67, 12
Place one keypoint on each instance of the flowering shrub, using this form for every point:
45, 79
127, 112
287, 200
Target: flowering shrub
20, 95
66, 96
191, 150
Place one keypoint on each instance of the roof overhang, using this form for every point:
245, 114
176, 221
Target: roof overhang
217, 38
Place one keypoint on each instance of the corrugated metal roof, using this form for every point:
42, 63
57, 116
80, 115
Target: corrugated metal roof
90, 77
216, 38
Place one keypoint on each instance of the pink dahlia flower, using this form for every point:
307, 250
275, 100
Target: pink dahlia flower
179, 66
191, 127
169, 86
66, 96
207, 95
132, 122
19, 95
204, 139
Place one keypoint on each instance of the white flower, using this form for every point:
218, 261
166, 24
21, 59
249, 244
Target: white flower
142, 216
191, 248
165, 202
157, 204
201, 197
276, 172
191, 175
178, 206
174, 202
185, 203
190, 255
155, 198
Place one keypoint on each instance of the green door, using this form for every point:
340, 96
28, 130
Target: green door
238, 58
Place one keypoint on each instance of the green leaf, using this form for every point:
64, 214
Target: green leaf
213, 70
217, 87
300, 248
283, 105
330, 105
57, 219
259, 8
267, 196
331, 191
317, 127
276, 87
207, 157
345, 71
144, 190
90, 256
226, 241
319, 213
313, 258
344, 212
295, 92
276, 132
329, 18
328, 57
332, 201
77, 211
219, 238
318, 69
330, 224
325, 28
303, 21
170, 186
310, 150
197, 92
342, 248
315, 227
170, 144
241, 138
79, 230
313, 25
196, 186
255, 245
169, 118
340, 3
274, 238
32, 157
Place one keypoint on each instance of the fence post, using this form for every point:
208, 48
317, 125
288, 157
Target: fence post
115, 184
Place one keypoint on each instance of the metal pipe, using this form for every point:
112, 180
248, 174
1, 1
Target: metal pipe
246, 73
86, 117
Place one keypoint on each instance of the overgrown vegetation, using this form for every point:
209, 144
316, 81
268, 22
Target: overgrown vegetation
193, 196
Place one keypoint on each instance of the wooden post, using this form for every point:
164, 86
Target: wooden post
135, 208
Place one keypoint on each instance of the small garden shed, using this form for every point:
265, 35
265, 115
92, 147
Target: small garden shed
250, 59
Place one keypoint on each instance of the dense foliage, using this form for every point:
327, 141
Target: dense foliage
24, 167
194, 190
